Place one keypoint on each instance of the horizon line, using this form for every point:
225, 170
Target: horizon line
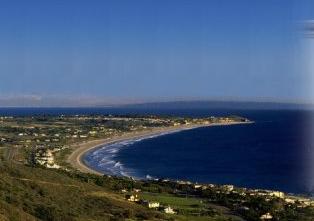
70, 103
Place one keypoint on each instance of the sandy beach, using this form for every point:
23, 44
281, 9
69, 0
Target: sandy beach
75, 159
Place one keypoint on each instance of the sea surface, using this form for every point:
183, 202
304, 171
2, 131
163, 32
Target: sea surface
275, 152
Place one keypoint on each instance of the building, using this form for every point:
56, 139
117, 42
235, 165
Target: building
132, 198
169, 210
277, 194
228, 188
53, 166
197, 186
45, 157
151, 205
266, 216
289, 200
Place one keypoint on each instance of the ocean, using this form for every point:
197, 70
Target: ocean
273, 153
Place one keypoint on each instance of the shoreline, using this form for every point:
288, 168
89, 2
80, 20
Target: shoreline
75, 159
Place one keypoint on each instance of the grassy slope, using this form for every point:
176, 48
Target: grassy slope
43, 194
49, 195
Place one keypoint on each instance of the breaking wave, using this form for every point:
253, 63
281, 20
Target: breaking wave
102, 159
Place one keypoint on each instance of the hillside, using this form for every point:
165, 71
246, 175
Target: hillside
28, 193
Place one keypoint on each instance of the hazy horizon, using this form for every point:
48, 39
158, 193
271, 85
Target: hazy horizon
98, 102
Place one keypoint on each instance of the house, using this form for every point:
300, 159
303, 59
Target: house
197, 186
132, 198
45, 157
151, 205
169, 210
211, 185
228, 188
277, 194
54, 166
266, 216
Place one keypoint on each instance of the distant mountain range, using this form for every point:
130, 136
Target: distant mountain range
221, 105
37, 101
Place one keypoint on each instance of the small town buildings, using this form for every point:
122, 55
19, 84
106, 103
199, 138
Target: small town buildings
304, 202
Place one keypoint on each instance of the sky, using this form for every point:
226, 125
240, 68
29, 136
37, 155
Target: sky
155, 49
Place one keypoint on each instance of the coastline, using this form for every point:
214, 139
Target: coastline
75, 159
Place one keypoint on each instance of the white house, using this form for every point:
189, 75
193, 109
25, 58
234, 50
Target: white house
169, 210
266, 216
132, 198
277, 194
153, 205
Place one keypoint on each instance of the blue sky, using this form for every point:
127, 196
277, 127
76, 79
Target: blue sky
152, 49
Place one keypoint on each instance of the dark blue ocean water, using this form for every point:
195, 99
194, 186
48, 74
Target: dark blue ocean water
272, 153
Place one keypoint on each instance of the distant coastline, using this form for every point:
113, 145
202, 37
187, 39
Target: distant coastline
76, 158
